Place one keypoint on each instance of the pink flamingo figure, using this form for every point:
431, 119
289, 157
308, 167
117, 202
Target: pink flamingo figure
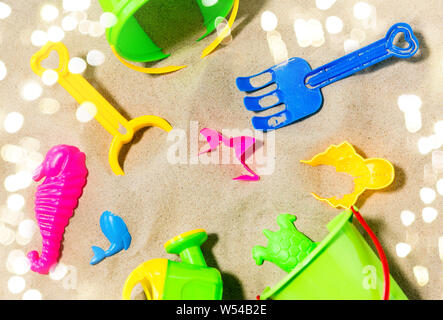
65, 172
240, 144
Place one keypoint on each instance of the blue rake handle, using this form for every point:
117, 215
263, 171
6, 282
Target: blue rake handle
364, 57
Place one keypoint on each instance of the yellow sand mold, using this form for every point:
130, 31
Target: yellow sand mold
372, 173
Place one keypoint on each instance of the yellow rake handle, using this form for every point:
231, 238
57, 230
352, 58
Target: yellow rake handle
82, 91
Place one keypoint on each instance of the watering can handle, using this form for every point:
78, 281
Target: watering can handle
151, 275
135, 278
364, 57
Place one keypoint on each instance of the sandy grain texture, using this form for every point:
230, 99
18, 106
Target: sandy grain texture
159, 200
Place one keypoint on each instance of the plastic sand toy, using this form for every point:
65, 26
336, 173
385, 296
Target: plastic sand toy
82, 91
299, 87
190, 279
341, 267
116, 231
129, 41
241, 146
297, 245
64, 170
368, 174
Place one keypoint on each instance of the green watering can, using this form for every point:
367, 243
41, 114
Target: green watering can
341, 267
130, 41
190, 279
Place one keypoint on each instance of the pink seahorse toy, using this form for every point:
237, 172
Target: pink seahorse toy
65, 172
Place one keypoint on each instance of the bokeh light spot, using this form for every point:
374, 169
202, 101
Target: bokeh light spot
3, 70
58, 271
108, 19
407, 217
17, 262
96, 29
31, 91
39, 38
5, 10
77, 65
49, 77
427, 195
55, 34
362, 10
76, 5
69, 23
429, 214
334, 25
49, 12
86, 112
7, 235
324, 4
27, 228
32, 294
402, 249
13, 122
268, 21
16, 284
12, 153
15, 202
421, 275
350, 45
83, 26
48, 106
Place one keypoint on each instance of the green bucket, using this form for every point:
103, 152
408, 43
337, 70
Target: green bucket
130, 40
341, 267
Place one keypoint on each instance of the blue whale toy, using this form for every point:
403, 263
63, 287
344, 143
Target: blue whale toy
114, 228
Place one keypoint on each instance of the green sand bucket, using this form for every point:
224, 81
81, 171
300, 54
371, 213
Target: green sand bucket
130, 40
341, 267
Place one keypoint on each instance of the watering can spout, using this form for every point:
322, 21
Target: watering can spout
108, 5
187, 245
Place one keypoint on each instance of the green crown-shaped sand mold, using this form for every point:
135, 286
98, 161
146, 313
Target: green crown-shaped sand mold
287, 247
